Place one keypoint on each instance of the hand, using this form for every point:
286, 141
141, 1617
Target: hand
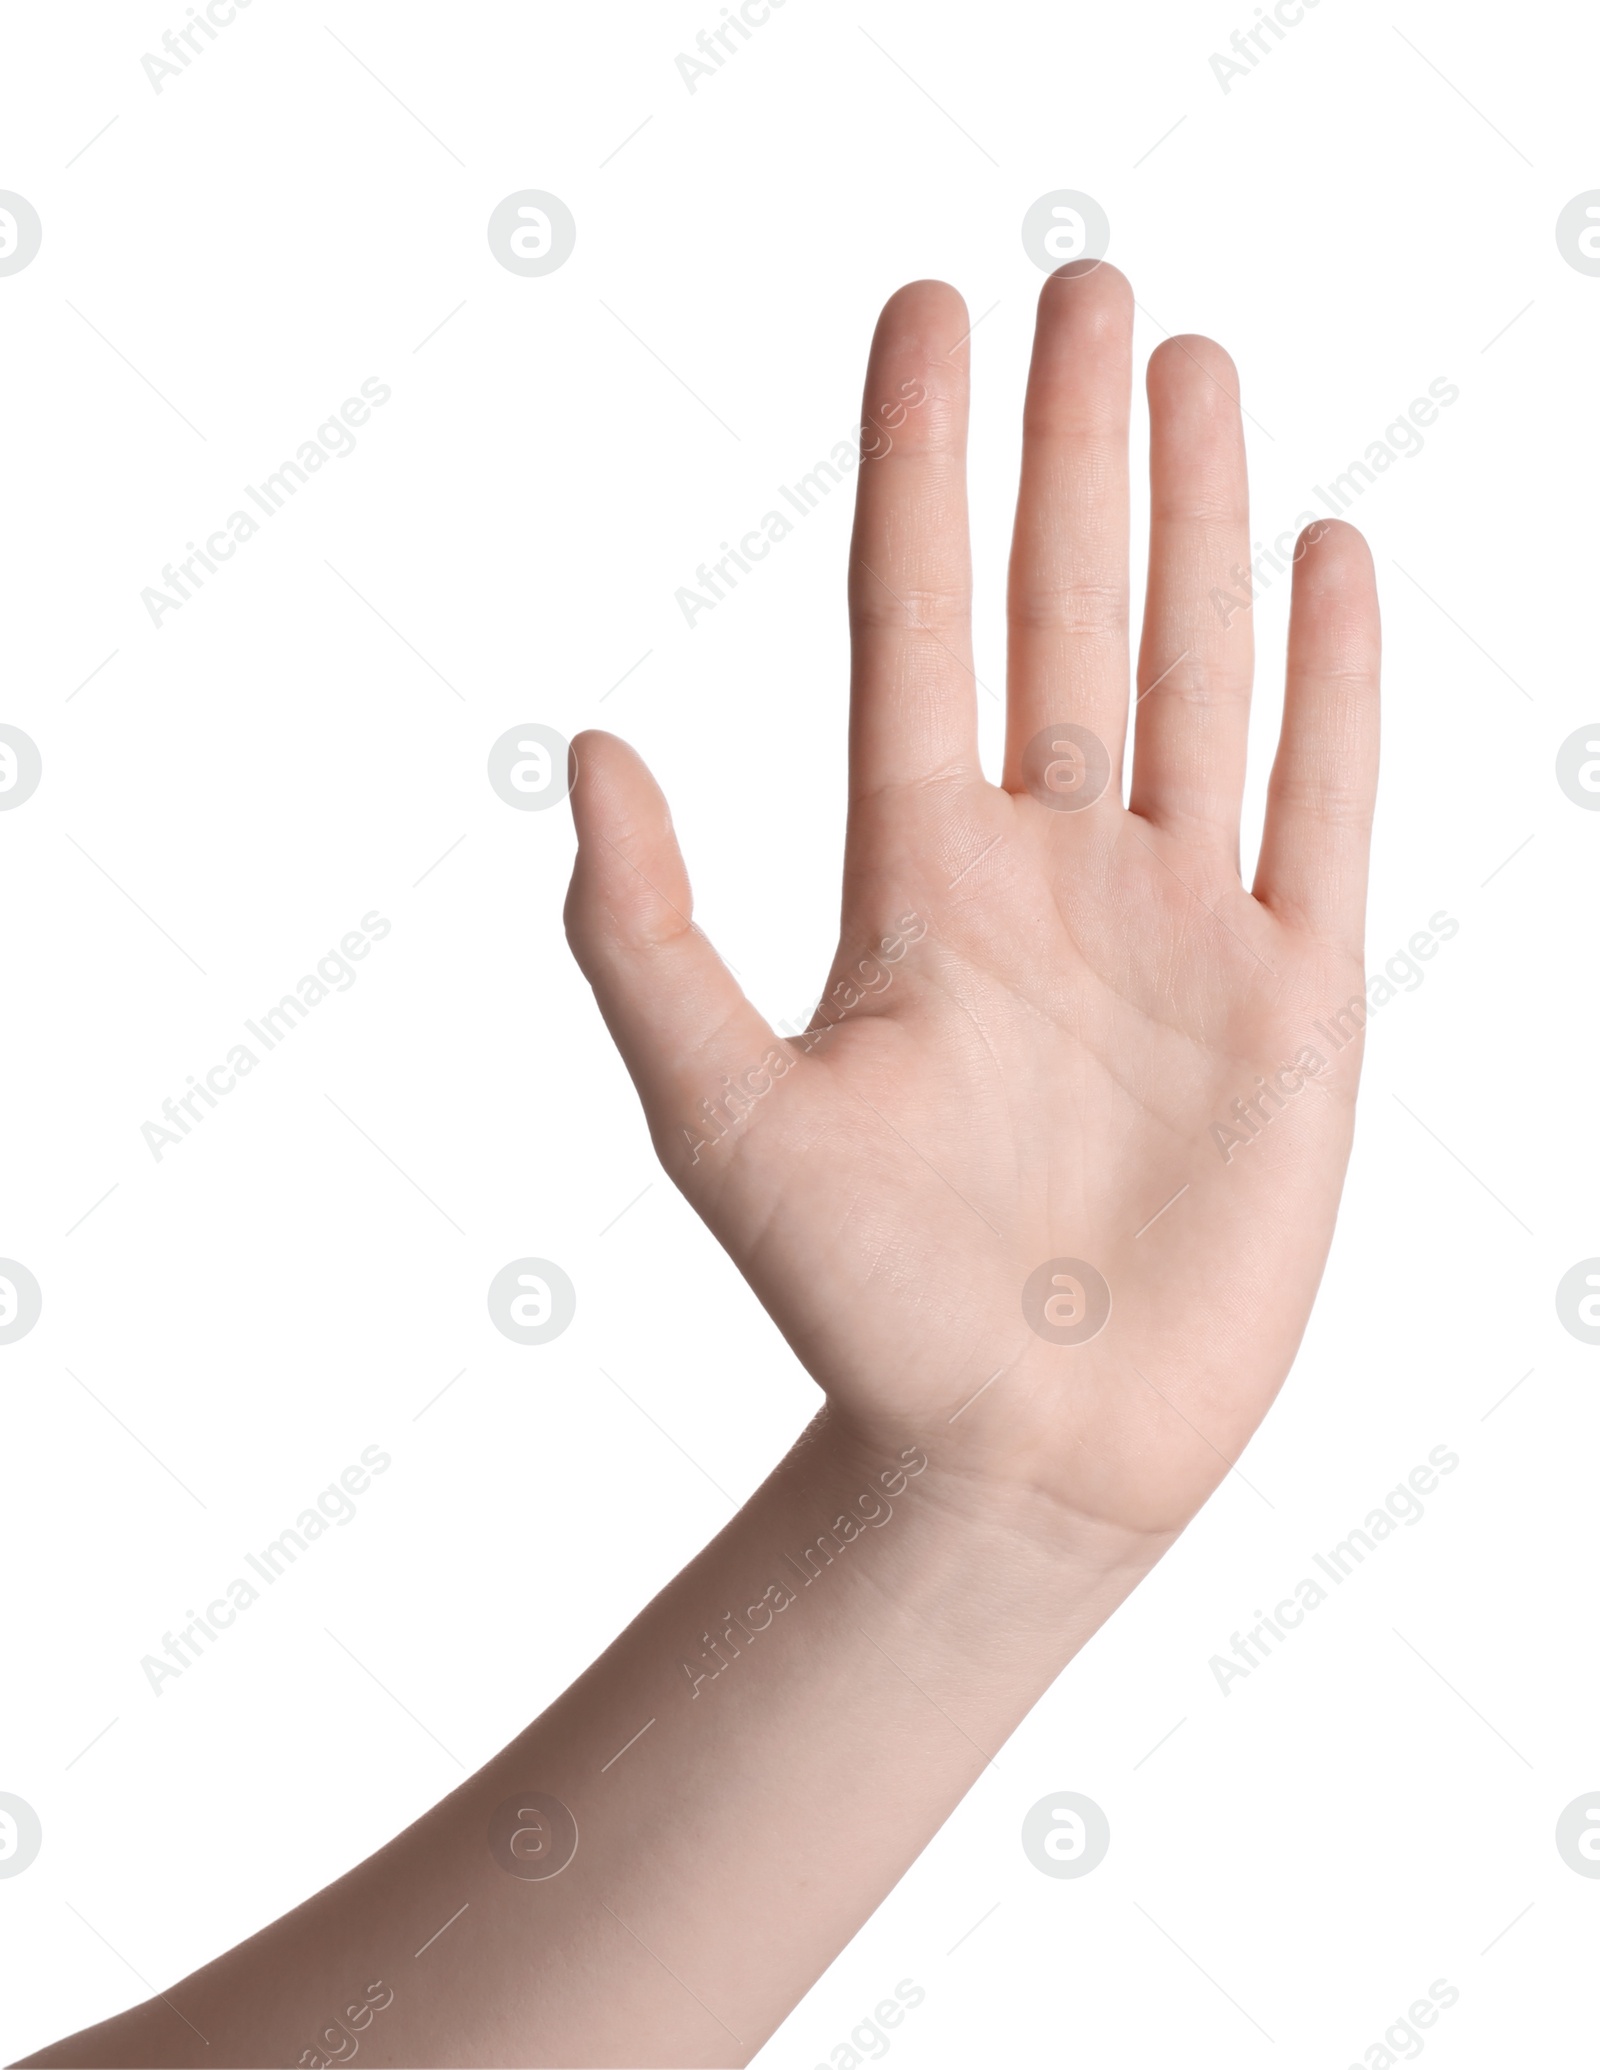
1047, 1004
1036, 1030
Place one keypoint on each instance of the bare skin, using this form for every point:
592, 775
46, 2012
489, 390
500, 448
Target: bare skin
1053, 1031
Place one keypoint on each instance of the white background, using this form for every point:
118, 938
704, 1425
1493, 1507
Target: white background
221, 268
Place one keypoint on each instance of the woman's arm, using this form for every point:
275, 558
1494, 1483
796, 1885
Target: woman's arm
1041, 1202
746, 1772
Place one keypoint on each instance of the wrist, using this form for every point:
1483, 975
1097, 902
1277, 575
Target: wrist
1009, 1486
971, 1555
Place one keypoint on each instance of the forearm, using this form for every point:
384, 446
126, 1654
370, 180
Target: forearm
750, 1768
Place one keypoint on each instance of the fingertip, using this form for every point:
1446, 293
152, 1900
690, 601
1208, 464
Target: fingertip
674, 1009
1320, 801
595, 757
1329, 553
925, 316
628, 879
1334, 605
1196, 365
610, 781
929, 293
1099, 292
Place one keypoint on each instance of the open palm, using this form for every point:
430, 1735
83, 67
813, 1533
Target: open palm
1049, 1187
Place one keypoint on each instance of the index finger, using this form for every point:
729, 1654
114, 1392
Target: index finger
912, 690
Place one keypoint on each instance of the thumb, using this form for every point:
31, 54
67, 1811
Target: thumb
692, 1042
